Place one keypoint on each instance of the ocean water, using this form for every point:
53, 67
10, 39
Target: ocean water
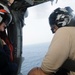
33, 56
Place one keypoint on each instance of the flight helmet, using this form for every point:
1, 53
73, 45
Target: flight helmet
5, 17
61, 17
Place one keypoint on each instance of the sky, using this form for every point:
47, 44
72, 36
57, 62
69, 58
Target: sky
37, 29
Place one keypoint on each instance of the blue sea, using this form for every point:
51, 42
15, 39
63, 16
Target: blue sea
33, 56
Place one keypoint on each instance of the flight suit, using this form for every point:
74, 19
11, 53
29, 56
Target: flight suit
61, 49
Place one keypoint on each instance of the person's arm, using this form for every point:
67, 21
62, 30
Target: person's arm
3, 56
58, 51
6, 49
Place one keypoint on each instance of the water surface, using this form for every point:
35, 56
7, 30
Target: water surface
33, 55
